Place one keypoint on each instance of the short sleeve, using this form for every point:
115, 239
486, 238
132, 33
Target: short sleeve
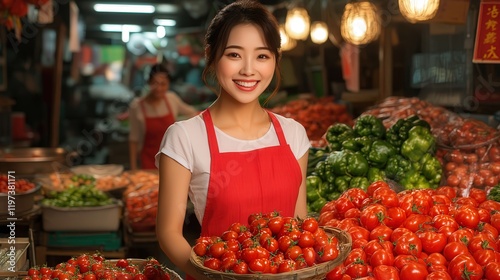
177, 145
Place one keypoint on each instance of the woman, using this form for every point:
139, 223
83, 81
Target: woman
235, 158
151, 115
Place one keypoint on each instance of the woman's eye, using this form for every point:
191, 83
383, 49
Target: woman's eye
233, 55
263, 56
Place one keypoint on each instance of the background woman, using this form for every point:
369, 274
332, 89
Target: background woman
151, 115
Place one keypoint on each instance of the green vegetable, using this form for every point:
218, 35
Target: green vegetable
414, 180
431, 169
317, 205
358, 144
315, 156
359, 182
494, 193
81, 196
397, 167
375, 174
420, 141
399, 131
325, 189
346, 162
338, 133
369, 125
380, 151
342, 183
320, 170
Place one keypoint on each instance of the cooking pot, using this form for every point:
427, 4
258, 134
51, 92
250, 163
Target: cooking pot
32, 161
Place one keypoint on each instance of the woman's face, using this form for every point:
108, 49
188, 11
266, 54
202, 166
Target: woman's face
159, 85
247, 66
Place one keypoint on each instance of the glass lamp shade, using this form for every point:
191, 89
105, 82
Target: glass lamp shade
319, 32
297, 23
360, 23
287, 43
418, 10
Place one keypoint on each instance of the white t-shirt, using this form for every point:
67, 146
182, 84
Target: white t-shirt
187, 143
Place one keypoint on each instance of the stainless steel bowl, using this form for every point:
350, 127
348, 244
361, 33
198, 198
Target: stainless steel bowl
32, 161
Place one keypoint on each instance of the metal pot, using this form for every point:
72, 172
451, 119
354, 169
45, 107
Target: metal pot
32, 161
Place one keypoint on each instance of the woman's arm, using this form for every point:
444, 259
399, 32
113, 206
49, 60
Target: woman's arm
183, 108
301, 206
134, 133
132, 148
172, 203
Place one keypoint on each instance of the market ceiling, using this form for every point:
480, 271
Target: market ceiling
190, 15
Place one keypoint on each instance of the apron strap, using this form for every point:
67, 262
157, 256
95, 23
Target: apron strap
278, 129
212, 138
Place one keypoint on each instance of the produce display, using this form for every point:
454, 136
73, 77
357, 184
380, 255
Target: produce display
469, 149
57, 181
95, 267
316, 115
141, 200
21, 185
368, 152
78, 196
416, 234
269, 244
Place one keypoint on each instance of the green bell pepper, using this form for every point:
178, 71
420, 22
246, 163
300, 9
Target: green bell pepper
399, 131
359, 182
379, 153
414, 180
320, 170
369, 125
325, 189
420, 141
333, 196
431, 169
342, 183
375, 174
347, 162
358, 144
336, 134
397, 167
316, 205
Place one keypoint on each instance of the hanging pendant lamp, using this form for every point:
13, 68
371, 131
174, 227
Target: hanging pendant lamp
319, 32
297, 23
360, 23
418, 10
287, 43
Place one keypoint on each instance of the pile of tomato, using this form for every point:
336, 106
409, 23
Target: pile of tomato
419, 234
270, 243
21, 185
96, 267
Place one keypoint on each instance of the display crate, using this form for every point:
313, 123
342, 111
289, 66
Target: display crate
20, 258
103, 241
82, 219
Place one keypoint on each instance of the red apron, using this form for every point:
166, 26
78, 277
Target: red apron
155, 128
243, 183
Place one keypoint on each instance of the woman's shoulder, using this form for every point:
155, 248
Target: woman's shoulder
287, 121
192, 125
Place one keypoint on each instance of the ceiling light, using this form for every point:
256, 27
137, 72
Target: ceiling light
418, 10
319, 32
360, 23
297, 23
167, 8
287, 43
160, 31
120, 27
120, 8
164, 22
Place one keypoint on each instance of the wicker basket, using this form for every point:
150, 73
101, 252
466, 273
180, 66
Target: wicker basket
316, 272
140, 263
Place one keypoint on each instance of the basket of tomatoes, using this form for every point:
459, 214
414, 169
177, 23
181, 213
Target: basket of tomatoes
17, 195
271, 246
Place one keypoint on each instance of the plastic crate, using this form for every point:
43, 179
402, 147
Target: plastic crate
17, 261
105, 241
82, 219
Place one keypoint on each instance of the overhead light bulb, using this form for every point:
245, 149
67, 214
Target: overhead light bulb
287, 43
120, 27
164, 22
297, 23
418, 10
160, 31
319, 32
360, 23
121, 8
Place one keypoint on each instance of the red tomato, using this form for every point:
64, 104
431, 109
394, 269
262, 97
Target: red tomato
467, 217
212, 263
444, 220
328, 252
356, 195
382, 232
342, 205
485, 256
465, 267
488, 229
386, 196
492, 271
371, 247
240, 267
436, 259
336, 273
306, 239
382, 257
309, 255
395, 217
415, 222
408, 244
217, 249
481, 241
414, 271
453, 249
358, 232
271, 244
275, 224
356, 270
461, 235
438, 275
293, 252
310, 224
385, 272
260, 265
432, 242
372, 215
354, 255
287, 265
495, 221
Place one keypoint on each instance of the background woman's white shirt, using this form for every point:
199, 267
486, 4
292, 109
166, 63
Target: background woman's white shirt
186, 142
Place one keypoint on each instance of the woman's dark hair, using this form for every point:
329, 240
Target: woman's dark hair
158, 68
240, 12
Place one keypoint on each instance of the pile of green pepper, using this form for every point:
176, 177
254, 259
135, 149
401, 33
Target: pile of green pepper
368, 152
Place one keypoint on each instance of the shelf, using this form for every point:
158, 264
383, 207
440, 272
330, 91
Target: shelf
363, 96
